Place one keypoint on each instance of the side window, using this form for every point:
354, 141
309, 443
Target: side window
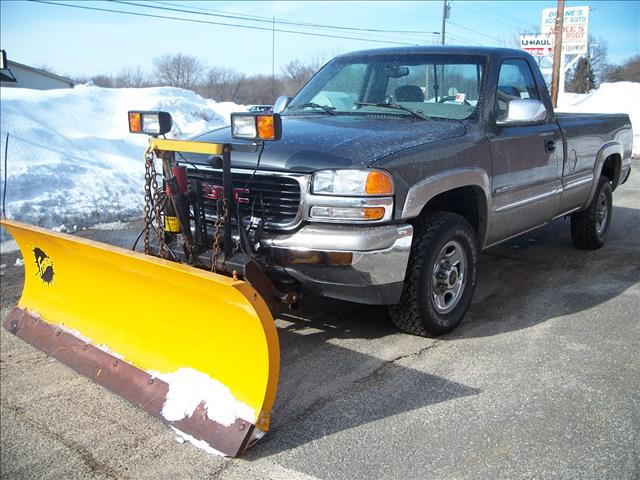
514, 82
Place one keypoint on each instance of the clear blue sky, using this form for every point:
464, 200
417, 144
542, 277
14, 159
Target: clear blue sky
84, 42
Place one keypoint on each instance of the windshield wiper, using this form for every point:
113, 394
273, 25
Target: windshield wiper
395, 106
325, 108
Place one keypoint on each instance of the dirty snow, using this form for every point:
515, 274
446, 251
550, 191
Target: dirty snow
618, 97
72, 162
19, 262
201, 444
9, 246
110, 226
188, 388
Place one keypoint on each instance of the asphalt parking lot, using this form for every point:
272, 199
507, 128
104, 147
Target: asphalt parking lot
542, 380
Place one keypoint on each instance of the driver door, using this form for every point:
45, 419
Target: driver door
525, 159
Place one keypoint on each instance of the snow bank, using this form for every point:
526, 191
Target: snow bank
72, 160
618, 97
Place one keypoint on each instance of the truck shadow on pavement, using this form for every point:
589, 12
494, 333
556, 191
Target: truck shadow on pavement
334, 378
541, 275
339, 369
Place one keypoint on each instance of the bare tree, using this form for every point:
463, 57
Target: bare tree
221, 84
105, 81
598, 56
131, 77
629, 71
295, 74
179, 70
257, 89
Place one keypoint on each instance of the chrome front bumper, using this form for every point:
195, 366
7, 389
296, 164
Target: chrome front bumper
360, 264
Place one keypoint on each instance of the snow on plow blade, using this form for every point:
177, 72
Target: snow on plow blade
196, 349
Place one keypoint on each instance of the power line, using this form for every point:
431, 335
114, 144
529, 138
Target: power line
462, 39
193, 20
500, 13
475, 31
255, 18
494, 18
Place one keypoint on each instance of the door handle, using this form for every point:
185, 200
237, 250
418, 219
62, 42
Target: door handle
550, 145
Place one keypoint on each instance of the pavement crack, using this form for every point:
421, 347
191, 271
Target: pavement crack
386, 364
356, 384
85, 454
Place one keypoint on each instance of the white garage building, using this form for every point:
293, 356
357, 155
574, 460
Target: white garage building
23, 76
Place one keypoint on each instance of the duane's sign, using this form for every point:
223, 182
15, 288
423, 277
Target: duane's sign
574, 29
538, 45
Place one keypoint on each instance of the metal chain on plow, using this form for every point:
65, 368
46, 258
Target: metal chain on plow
151, 197
216, 236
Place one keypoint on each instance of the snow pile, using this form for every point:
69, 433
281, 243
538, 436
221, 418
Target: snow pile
72, 160
618, 97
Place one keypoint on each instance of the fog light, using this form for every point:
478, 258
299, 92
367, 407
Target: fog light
348, 213
244, 127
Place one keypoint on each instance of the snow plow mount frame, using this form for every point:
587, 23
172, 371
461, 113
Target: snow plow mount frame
238, 265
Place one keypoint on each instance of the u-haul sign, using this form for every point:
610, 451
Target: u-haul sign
537, 45
574, 29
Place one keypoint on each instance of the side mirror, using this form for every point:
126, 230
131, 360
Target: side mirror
280, 104
524, 111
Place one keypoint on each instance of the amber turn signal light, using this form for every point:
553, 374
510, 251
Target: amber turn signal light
379, 183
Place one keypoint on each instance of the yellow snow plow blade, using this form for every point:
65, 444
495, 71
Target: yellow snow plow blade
197, 349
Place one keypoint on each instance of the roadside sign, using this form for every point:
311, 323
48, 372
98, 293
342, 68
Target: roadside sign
574, 29
537, 45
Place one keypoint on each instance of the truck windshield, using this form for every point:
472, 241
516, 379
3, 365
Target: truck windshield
423, 86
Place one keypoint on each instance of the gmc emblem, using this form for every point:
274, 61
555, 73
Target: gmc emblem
216, 192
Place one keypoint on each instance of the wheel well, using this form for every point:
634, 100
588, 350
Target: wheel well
469, 202
611, 168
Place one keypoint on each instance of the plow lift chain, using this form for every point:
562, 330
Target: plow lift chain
152, 200
215, 253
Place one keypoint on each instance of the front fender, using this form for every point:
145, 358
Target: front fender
422, 192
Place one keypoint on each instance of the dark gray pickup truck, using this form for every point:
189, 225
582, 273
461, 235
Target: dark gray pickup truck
396, 167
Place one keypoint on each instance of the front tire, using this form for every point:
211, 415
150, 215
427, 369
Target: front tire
590, 227
441, 276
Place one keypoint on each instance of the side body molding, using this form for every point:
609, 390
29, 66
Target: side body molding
422, 192
608, 149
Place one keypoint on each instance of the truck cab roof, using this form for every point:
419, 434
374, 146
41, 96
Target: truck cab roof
440, 50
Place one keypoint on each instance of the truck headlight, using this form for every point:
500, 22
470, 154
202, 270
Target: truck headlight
352, 182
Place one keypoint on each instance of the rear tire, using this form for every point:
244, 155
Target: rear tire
441, 276
590, 227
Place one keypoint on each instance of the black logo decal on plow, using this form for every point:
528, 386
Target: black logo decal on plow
44, 264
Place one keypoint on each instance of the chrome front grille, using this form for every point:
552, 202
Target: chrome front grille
274, 196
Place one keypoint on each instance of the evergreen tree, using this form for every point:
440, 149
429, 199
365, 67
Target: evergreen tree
583, 78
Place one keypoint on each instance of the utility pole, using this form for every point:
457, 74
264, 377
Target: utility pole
273, 58
445, 15
557, 54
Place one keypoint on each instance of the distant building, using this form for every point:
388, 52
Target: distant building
22, 76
